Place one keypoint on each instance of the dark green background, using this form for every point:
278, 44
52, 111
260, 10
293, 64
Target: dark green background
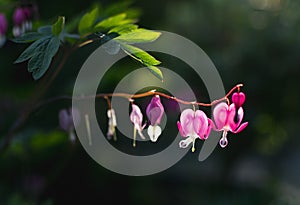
255, 42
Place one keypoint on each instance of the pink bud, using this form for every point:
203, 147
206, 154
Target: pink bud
3, 24
155, 110
27, 13
238, 99
19, 16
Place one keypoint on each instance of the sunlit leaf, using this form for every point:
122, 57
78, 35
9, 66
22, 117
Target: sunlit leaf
123, 29
87, 21
155, 71
113, 21
140, 55
58, 26
144, 58
139, 36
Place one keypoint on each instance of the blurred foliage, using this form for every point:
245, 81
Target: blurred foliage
255, 42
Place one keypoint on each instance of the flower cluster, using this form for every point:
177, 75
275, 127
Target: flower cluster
22, 17
227, 118
154, 112
193, 124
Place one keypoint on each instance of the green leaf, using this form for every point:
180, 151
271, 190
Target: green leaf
156, 71
145, 58
118, 7
37, 58
113, 21
43, 60
71, 36
139, 36
58, 26
45, 30
28, 37
140, 55
32, 49
87, 21
123, 29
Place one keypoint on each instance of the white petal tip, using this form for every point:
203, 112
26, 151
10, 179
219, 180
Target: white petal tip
154, 132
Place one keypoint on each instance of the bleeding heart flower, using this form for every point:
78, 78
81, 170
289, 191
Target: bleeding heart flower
136, 118
193, 124
112, 123
22, 22
154, 111
227, 119
68, 120
3, 29
238, 99
18, 18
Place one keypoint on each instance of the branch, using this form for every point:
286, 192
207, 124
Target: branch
32, 104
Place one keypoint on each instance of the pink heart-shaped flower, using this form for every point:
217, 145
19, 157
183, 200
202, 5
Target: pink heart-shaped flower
238, 99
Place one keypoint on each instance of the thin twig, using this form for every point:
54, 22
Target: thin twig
33, 105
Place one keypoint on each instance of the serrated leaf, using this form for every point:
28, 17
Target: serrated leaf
140, 55
123, 29
45, 30
111, 22
58, 26
28, 37
139, 36
44, 59
38, 56
156, 71
32, 49
87, 21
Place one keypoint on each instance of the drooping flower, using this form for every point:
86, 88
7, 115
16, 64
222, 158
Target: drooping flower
68, 120
193, 124
22, 21
228, 119
154, 111
3, 29
238, 98
136, 118
112, 123
18, 18
28, 15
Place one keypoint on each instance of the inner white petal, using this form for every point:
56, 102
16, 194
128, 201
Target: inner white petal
185, 143
154, 132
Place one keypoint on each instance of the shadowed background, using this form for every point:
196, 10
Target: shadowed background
255, 42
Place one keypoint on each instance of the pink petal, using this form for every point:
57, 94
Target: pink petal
238, 99
136, 116
220, 115
231, 118
241, 128
210, 126
182, 133
187, 121
155, 110
18, 16
200, 123
3, 24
